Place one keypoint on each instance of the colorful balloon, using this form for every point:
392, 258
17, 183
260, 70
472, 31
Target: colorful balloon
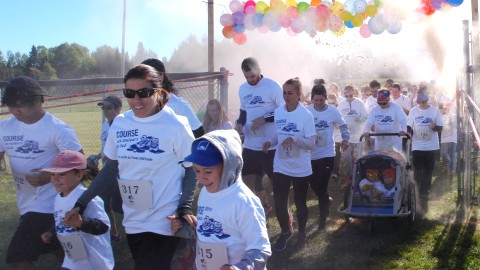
315, 3
454, 3
349, 24
335, 23
292, 11
226, 19
302, 7
365, 31
249, 3
376, 24
228, 31
349, 6
257, 20
235, 6
290, 3
357, 20
260, 7
340, 32
238, 17
297, 25
360, 6
346, 16
250, 10
240, 39
371, 10
336, 8
239, 28
394, 26
323, 11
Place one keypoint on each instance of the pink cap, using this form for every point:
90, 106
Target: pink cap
65, 161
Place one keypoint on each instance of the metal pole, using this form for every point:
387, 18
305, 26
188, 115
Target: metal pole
211, 67
122, 71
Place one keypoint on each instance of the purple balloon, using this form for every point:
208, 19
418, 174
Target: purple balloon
238, 17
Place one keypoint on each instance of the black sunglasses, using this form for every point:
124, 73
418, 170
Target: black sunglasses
382, 103
107, 108
141, 93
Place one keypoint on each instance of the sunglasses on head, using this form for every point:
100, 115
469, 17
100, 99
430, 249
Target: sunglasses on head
141, 93
106, 108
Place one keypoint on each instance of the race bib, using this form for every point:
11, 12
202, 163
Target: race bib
423, 133
259, 132
289, 152
136, 194
22, 185
210, 255
321, 139
73, 246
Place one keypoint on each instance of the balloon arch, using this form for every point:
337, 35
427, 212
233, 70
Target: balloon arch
317, 16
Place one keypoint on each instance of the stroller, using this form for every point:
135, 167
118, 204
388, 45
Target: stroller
369, 196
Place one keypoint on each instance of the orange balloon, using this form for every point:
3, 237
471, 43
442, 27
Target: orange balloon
315, 2
228, 31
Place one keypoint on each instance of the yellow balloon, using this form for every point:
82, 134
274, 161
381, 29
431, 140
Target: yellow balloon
340, 32
290, 3
371, 10
346, 16
260, 7
336, 8
357, 20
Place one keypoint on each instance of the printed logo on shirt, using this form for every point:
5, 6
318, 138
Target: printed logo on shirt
59, 226
383, 118
352, 112
256, 100
423, 120
29, 146
146, 143
321, 124
290, 127
212, 227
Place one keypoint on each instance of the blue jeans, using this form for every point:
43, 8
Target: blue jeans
449, 155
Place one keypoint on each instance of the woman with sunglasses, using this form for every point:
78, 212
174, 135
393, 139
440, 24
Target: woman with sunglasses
386, 117
426, 123
144, 148
326, 117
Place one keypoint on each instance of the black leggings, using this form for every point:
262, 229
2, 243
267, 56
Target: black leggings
423, 165
281, 189
322, 169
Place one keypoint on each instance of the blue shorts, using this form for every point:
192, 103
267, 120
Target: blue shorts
26, 244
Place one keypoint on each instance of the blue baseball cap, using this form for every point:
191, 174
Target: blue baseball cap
204, 153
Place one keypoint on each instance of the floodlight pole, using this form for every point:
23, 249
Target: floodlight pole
123, 38
211, 66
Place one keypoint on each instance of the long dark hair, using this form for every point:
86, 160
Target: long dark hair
150, 74
167, 84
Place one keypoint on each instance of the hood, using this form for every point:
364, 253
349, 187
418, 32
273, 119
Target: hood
229, 144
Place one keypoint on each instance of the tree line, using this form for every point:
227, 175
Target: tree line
68, 61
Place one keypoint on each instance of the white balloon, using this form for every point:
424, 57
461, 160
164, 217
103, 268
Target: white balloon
349, 6
394, 27
297, 25
376, 24
235, 6
360, 6
226, 19
248, 22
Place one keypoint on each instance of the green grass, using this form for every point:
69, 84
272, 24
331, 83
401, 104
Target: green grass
447, 238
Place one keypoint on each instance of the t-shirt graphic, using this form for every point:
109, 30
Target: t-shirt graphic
423, 120
384, 118
256, 100
211, 226
290, 127
146, 143
321, 124
29, 146
59, 226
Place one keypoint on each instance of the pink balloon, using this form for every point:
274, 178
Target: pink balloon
263, 29
249, 3
292, 11
235, 6
250, 10
365, 31
285, 21
240, 38
335, 23
226, 19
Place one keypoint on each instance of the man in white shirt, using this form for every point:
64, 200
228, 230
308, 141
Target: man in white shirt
371, 101
387, 117
400, 99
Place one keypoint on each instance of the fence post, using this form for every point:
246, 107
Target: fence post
224, 88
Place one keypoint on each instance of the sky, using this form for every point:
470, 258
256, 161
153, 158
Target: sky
160, 24
429, 46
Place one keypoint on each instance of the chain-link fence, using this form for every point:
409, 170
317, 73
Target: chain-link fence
75, 101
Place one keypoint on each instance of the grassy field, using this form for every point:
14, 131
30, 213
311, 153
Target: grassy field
447, 238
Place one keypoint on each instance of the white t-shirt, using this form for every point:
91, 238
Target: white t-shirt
297, 124
259, 100
355, 115
97, 247
424, 138
370, 102
150, 149
389, 120
325, 122
33, 146
403, 101
233, 216
181, 107
449, 130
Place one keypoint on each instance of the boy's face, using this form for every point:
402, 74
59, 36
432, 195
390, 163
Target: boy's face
66, 182
210, 177
388, 181
372, 176
26, 113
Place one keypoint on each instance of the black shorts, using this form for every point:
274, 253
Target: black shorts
26, 244
254, 162
151, 250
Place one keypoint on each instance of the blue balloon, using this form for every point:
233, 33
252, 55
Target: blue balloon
349, 24
454, 3
257, 20
239, 28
